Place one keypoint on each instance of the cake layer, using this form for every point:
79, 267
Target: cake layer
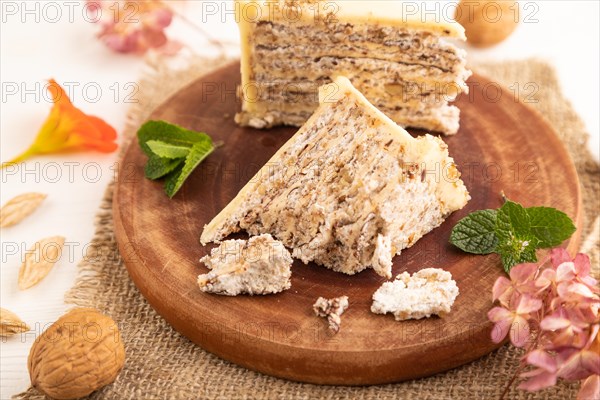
441, 120
437, 60
376, 12
387, 95
418, 49
271, 118
349, 190
269, 67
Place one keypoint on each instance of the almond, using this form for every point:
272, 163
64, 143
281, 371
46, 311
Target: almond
39, 260
11, 324
18, 208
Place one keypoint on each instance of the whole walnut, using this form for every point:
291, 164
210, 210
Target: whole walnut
487, 22
78, 354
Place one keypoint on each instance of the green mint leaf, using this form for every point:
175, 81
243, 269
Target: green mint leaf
512, 221
510, 258
158, 167
173, 152
516, 243
514, 232
167, 133
550, 226
475, 233
167, 150
197, 154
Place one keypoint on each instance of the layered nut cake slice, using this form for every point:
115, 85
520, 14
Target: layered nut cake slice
403, 63
349, 190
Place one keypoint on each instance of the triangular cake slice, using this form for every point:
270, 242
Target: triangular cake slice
349, 190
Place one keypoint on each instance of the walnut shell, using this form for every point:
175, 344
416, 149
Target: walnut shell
78, 354
487, 22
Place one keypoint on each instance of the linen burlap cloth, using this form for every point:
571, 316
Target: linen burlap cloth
162, 364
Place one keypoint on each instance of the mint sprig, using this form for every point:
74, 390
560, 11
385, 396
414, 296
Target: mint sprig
513, 231
173, 152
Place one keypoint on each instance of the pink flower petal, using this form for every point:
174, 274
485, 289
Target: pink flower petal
563, 354
587, 315
531, 373
551, 323
513, 302
580, 365
565, 271
539, 382
574, 292
541, 359
589, 388
590, 360
582, 316
158, 19
546, 278
555, 304
523, 273
559, 256
503, 320
153, 39
569, 338
581, 289
121, 44
519, 332
590, 283
582, 265
528, 304
501, 286
498, 314
580, 339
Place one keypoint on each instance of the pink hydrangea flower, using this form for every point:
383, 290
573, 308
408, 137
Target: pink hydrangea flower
555, 304
134, 26
514, 321
521, 281
544, 375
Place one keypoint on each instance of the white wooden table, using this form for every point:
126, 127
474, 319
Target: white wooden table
36, 45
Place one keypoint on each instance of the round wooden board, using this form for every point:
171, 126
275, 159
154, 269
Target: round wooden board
502, 145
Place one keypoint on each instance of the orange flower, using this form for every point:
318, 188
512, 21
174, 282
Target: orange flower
69, 129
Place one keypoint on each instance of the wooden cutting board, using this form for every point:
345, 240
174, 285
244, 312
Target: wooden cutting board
502, 145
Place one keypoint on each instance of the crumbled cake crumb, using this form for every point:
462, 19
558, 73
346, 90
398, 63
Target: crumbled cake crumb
261, 265
332, 309
430, 291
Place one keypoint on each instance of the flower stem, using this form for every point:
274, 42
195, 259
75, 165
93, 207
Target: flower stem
510, 383
21, 157
522, 365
